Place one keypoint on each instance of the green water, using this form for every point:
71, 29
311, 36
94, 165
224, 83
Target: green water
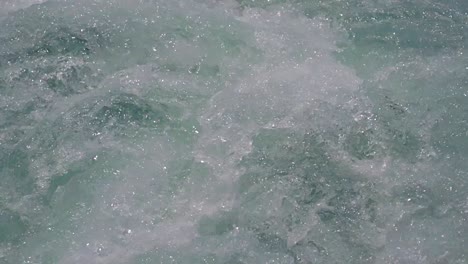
234, 132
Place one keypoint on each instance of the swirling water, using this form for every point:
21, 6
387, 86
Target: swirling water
247, 131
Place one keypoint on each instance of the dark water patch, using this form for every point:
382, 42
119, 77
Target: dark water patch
218, 224
12, 227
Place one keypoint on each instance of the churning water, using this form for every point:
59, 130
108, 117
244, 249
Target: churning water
234, 131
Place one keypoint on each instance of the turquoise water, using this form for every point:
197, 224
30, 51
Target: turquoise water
234, 132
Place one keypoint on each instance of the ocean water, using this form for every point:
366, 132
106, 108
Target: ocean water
234, 131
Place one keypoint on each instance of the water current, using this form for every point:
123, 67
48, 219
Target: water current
234, 131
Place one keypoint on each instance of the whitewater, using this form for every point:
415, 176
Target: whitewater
234, 131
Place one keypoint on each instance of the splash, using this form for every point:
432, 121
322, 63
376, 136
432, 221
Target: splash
233, 132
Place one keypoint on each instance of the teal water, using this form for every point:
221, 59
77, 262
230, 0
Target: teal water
234, 131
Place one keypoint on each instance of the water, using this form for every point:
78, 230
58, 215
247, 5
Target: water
248, 131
